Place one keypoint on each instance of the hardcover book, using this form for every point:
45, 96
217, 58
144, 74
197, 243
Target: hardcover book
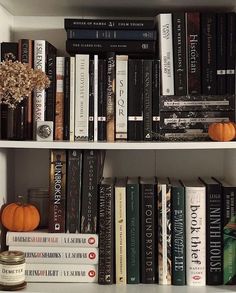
72, 98
102, 100
66, 93
91, 101
155, 99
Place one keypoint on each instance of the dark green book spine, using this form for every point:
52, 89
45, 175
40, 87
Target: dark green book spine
178, 236
133, 250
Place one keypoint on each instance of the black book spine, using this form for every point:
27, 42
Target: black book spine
214, 235
100, 46
91, 100
106, 264
102, 102
179, 45
221, 53
194, 52
9, 51
73, 187
4, 121
231, 52
66, 132
155, 99
208, 45
135, 100
147, 99
148, 234
89, 191
20, 124
70, 23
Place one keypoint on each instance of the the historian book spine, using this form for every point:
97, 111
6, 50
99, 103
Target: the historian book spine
102, 101
72, 98
95, 101
57, 191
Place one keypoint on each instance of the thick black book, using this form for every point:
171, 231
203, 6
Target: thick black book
155, 99
85, 23
73, 191
147, 99
179, 47
9, 51
91, 101
89, 34
66, 130
208, 53
106, 232
135, 100
221, 53
102, 100
193, 52
148, 195
230, 52
101, 46
20, 121
214, 232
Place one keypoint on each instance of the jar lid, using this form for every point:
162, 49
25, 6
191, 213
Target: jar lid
12, 256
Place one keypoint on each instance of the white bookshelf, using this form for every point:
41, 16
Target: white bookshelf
24, 164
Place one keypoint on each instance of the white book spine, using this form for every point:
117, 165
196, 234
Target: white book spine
72, 98
59, 255
166, 53
195, 236
81, 97
120, 223
39, 95
65, 273
95, 98
51, 239
121, 128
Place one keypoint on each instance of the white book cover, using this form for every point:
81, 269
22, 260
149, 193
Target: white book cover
195, 193
72, 98
56, 254
121, 126
120, 231
81, 97
39, 238
39, 95
64, 273
95, 98
166, 53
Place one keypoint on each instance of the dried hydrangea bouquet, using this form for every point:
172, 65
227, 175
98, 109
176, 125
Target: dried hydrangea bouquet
18, 80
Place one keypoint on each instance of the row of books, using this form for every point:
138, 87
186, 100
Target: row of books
167, 231
53, 257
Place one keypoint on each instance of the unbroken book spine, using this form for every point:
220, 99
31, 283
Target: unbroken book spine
81, 97
57, 191
166, 53
121, 97
193, 52
208, 53
179, 46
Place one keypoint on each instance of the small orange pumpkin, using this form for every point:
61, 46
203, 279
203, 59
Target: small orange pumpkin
20, 217
222, 131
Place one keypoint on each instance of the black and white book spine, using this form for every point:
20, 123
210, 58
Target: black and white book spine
155, 99
208, 53
51, 91
95, 81
91, 101
135, 101
72, 98
38, 238
121, 128
221, 53
39, 95
166, 53
66, 128
65, 273
231, 52
81, 96
102, 104
147, 99
58, 255
195, 235
179, 47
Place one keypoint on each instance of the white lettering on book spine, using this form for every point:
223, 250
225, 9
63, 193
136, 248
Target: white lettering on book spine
72, 98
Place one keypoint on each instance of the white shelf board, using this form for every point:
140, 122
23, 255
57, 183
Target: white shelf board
108, 7
4, 144
94, 288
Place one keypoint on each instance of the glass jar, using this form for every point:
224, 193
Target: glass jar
12, 274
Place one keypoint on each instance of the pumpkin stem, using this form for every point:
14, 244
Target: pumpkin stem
21, 199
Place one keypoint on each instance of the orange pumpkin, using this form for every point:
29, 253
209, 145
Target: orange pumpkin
222, 131
20, 217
